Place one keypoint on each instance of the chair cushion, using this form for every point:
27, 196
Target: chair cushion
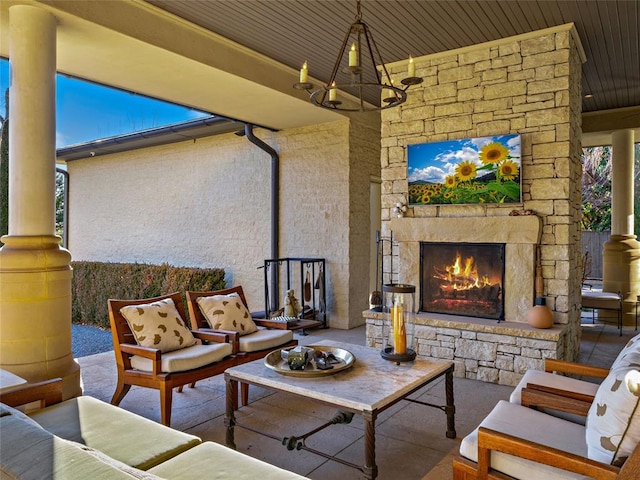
556, 381
158, 325
534, 426
124, 436
613, 422
227, 312
186, 358
217, 462
263, 339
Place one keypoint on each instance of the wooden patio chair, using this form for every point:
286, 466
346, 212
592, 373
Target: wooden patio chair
203, 354
251, 346
531, 440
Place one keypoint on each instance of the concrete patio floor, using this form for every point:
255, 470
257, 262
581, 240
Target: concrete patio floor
410, 438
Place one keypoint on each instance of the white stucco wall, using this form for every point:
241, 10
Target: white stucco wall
207, 204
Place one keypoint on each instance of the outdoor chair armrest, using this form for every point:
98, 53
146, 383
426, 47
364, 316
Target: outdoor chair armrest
154, 354
540, 396
489, 440
560, 366
221, 336
47, 393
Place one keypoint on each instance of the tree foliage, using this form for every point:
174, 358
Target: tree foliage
596, 188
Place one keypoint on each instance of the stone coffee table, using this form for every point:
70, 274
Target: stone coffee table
368, 388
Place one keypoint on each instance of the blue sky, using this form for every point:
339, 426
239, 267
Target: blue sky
86, 112
432, 162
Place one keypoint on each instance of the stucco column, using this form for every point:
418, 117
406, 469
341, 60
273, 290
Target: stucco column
621, 255
35, 272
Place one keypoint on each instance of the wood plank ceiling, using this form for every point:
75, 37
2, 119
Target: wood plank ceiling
292, 31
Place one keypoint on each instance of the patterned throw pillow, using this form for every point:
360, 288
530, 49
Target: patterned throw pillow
227, 312
613, 421
158, 325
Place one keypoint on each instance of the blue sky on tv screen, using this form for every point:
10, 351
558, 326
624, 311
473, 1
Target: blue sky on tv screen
86, 111
433, 162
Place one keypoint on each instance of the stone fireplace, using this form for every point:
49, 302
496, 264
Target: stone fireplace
462, 279
529, 85
519, 235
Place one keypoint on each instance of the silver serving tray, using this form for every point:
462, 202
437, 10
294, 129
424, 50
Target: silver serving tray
345, 358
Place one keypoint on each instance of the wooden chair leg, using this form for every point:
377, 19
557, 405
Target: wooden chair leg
244, 393
121, 390
166, 394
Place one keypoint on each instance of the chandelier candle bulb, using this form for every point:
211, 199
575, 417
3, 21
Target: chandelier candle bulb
304, 73
333, 93
353, 56
411, 70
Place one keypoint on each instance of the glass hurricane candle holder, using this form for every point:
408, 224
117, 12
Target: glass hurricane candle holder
398, 332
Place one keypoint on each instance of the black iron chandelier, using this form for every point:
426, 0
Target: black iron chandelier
361, 75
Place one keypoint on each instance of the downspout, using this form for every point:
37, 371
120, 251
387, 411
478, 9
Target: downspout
275, 211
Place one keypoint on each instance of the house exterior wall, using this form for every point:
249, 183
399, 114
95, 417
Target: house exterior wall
206, 203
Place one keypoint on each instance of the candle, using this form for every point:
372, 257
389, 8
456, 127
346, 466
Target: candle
353, 56
304, 73
399, 331
333, 93
412, 68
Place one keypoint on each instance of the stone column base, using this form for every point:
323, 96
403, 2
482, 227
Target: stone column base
35, 307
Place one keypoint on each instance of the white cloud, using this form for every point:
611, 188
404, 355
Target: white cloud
428, 174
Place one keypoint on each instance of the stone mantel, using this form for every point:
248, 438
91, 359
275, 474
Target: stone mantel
520, 234
497, 229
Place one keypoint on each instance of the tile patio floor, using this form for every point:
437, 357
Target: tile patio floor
410, 438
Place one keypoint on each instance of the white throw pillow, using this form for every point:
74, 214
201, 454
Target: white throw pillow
613, 421
158, 325
227, 312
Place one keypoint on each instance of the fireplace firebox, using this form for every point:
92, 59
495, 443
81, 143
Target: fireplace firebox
462, 279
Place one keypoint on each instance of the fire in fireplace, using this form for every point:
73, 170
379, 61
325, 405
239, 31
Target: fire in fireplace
462, 279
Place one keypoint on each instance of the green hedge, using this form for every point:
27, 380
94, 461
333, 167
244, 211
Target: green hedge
95, 282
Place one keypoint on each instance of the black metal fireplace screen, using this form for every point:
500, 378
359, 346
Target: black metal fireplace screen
462, 279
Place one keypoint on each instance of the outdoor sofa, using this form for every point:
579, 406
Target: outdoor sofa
85, 438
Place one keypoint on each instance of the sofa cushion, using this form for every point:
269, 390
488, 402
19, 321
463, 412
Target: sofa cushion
613, 421
158, 325
227, 312
122, 435
534, 426
185, 359
263, 339
553, 380
28, 452
219, 463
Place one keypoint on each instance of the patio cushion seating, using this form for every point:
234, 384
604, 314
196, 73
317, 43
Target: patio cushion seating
524, 443
229, 464
530, 425
84, 438
158, 325
82, 420
613, 422
186, 358
552, 377
150, 367
227, 312
250, 347
264, 339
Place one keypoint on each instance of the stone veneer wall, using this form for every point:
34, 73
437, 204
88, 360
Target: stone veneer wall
529, 84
